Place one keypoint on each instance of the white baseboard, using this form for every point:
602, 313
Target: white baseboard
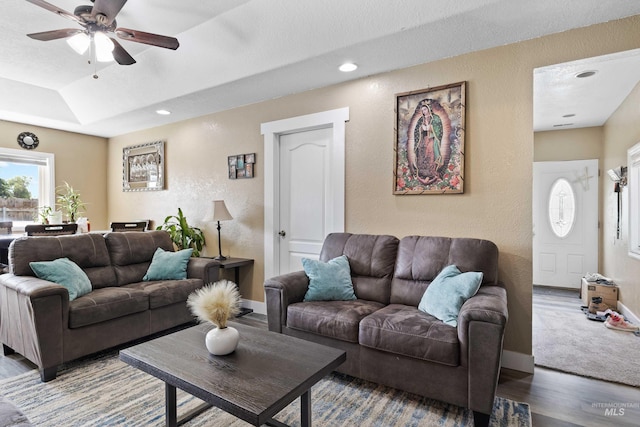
517, 361
628, 314
256, 306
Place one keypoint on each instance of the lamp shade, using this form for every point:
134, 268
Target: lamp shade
220, 211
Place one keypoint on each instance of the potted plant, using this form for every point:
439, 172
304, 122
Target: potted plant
183, 235
43, 214
217, 303
69, 201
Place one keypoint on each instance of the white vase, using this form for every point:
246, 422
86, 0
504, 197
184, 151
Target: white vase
222, 341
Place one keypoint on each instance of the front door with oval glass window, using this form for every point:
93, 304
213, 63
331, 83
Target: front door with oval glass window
565, 222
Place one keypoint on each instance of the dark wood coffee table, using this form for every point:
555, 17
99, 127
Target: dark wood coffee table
267, 372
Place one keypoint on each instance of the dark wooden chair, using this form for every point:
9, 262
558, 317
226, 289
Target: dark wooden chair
50, 229
5, 227
129, 226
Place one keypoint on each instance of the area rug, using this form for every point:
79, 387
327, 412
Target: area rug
565, 340
108, 392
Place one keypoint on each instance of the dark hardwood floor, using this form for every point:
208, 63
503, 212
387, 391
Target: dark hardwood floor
556, 398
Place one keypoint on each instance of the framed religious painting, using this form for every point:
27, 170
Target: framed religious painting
429, 141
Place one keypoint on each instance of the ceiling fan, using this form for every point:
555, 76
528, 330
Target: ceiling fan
98, 22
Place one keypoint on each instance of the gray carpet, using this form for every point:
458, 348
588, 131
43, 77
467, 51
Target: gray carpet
565, 340
108, 392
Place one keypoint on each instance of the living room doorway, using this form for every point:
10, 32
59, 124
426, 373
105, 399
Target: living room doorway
304, 187
565, 222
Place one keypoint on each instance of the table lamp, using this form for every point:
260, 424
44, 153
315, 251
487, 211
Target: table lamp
220, 213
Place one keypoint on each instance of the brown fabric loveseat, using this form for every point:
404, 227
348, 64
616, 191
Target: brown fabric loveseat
387, 339
38, 321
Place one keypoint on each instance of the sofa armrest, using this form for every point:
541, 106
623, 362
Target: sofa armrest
280, 292
206, 269
33, 316
481, 325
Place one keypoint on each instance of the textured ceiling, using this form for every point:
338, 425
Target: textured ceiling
236, 52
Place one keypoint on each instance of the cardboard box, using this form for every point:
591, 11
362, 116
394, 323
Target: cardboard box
608, 293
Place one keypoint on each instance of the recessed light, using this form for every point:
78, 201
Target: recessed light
569, 115
163, 112
584, 74
348, 67
562, 125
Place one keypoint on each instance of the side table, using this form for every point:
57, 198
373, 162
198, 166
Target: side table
236, 264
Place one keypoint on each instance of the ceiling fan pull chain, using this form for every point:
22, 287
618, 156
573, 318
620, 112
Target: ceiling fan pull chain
93, 56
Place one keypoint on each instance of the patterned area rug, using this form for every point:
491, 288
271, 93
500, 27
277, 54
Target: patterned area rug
565, 340
108, 392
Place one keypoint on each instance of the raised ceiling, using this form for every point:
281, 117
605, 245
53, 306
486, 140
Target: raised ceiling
237, 52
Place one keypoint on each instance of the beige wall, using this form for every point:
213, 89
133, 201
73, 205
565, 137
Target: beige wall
621, 132
569, 144
80, 160
496, 204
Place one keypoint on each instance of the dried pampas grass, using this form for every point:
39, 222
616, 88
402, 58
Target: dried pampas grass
215, 303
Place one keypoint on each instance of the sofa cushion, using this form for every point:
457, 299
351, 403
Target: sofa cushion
64, 272
131, 253
328, 281
168, 265
166, 292
333, 319
105, 304
448, 291
371, 259
88, 251
405, 330
421, 258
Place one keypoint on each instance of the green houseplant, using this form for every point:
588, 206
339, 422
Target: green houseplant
69, 201
183, 235
43, 214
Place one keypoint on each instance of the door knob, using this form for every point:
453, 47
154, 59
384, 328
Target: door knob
282, 233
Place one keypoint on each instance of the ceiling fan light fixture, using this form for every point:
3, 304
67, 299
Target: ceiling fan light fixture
104, 47
79, 43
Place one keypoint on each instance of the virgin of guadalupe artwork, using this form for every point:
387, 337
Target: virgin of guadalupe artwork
429, 146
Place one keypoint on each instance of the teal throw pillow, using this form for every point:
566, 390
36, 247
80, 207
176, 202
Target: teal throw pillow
64, 272
168, 265
448, 291
329, 281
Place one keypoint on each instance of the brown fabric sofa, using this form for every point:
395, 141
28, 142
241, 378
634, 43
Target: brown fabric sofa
38, 321
387, 339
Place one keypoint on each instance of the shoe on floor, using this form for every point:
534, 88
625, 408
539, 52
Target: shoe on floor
616, 321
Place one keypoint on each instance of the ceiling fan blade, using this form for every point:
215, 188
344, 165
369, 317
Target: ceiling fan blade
55, 34
121, 56
107, 8
147, 38
56, 9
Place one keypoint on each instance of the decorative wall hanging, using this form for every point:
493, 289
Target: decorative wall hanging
429, 141
241, 165
28, 140
143, 167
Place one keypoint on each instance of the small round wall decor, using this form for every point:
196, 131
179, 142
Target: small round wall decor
28, 140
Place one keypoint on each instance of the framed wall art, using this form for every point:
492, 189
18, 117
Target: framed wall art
429, 141
242, 166
143, 167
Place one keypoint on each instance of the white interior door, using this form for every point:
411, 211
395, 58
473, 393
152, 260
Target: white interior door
304, 189
565, 222
304, 167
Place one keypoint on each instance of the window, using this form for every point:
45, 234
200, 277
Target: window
562, 208
27, 183
633, 165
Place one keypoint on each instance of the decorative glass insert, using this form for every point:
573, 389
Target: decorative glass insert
562, 208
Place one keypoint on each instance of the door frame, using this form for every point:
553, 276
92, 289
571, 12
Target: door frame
271, 131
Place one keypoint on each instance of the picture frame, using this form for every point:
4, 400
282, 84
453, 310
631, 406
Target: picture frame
429, 141
143, 167
241, 165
